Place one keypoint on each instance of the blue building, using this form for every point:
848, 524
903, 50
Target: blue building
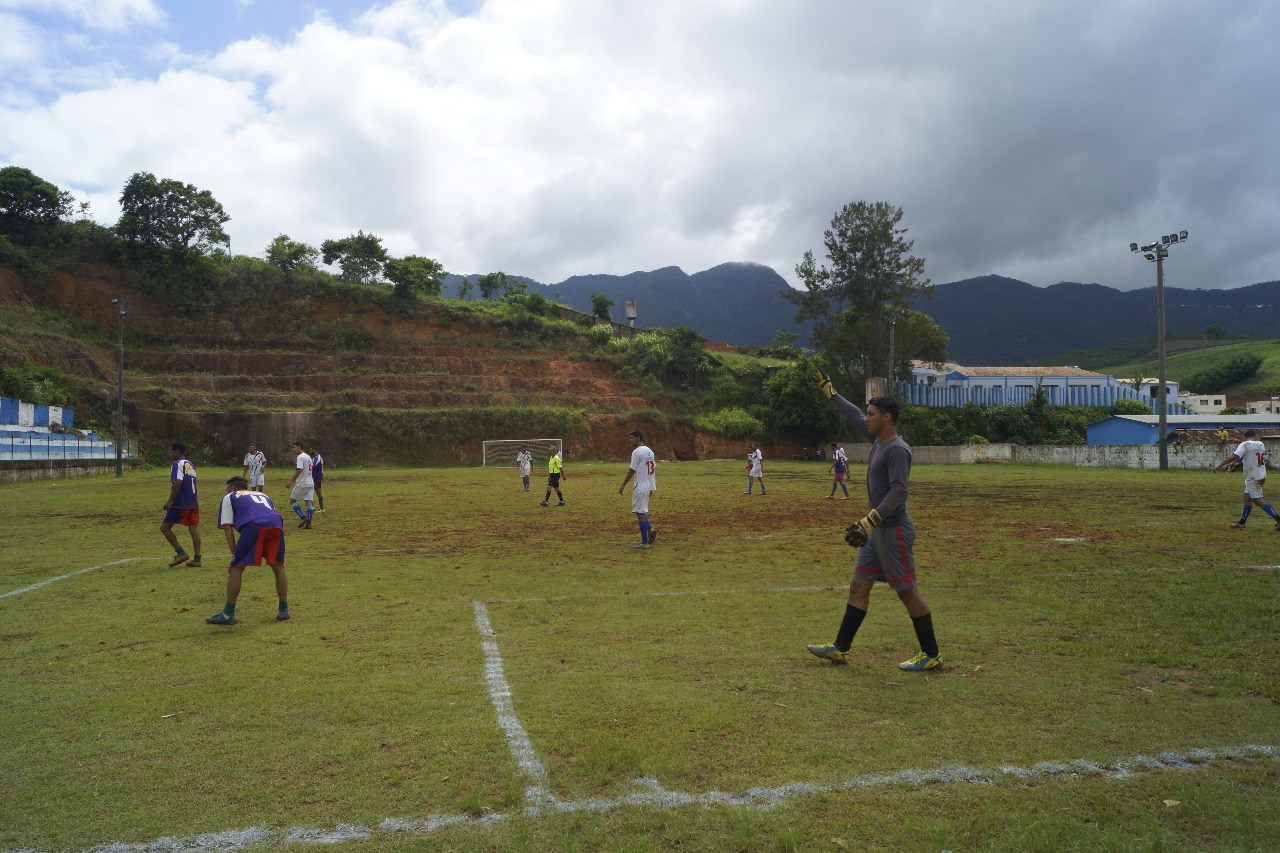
1145, 429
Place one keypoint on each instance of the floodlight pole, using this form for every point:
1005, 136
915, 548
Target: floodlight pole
120, 315
1156, 251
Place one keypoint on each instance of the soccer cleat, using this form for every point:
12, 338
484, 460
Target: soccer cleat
640, 545
282, 616
1278, 524
845, 498
221, 618
829, 652
543, 503
306, 524
179, 559
1238, 525
302, 522
831, 497
560, 504
921, 662
194, 564
653, 535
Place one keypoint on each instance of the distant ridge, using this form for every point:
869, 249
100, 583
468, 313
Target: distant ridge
991, 320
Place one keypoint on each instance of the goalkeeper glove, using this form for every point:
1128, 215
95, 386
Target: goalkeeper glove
860, 531
823, 381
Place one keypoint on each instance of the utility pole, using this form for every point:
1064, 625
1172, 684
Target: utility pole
1156, 251
120, 315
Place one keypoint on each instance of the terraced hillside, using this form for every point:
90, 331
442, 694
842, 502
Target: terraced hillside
422, 385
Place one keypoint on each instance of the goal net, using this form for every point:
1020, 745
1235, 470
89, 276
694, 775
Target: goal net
502, 453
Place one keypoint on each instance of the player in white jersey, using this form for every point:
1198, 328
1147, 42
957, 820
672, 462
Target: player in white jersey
302, 486
255, 465
644, 467
755, 468
1251, 455
524, 462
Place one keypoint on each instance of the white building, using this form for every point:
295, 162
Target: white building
1202, 404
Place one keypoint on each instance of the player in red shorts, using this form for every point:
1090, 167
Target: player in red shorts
183, 507
261, 530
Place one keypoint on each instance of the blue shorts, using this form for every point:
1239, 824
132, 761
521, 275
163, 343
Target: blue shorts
258, 544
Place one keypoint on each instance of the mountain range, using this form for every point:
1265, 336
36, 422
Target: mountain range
990, 320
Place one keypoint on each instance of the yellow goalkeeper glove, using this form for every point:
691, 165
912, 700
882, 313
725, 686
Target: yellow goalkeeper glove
860, 531
823, 381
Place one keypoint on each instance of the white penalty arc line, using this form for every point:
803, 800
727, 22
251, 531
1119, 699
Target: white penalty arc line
650, 794
70, 575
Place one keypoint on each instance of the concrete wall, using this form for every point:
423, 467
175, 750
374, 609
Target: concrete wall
1200, 456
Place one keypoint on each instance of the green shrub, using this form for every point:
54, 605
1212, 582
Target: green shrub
731, 423
46, 386
1131, 407
351, 340
1223, 374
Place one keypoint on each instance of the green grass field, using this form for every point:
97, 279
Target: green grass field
1111, 677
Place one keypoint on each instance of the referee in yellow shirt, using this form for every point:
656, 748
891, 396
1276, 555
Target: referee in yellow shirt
555, 471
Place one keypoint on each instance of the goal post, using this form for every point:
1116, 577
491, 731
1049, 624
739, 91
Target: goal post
501, 453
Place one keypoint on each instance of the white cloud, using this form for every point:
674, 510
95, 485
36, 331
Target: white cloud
97, 14
558, 137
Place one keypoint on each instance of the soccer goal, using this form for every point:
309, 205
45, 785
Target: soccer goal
502, 453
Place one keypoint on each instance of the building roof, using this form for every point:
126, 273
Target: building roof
1203, 421
1023, 371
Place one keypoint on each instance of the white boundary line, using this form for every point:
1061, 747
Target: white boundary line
71, 575
568, 597
650, 793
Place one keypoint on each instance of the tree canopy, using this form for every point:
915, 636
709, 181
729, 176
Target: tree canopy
170, 216
360, 257
413, 275
290, 255
27, 201
871, 273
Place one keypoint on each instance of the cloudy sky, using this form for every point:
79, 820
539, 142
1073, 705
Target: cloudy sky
549, 138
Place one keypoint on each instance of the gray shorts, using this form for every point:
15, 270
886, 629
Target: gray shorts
888, 556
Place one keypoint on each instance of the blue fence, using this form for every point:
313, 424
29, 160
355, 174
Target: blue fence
955, 396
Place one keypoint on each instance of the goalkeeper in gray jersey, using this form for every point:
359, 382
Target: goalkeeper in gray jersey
885, 536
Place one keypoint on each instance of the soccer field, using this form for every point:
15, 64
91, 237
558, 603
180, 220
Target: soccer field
465, 669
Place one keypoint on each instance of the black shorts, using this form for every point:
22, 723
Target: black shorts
553, 480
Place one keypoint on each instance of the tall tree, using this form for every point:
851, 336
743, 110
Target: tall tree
601, 305
290, 255
360, 256
413, 275
170, 216
28, 201
492, 285
871, 272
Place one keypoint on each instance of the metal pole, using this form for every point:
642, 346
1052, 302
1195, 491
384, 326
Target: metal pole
1161, 392
893, 321
120, 391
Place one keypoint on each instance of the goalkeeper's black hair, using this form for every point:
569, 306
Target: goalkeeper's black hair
886, 405
637, 433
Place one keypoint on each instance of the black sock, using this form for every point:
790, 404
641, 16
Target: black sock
548, 497
849, 627
924, 633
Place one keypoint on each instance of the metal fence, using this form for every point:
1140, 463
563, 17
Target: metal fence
955, 396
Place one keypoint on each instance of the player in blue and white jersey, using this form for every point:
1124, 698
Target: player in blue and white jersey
261, 529
303, 488
524, 464
317, 476
840, 466
1251, 455
183, 506
885, 536
644, 468
255, 466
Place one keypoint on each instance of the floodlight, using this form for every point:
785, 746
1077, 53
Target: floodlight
1149, 256
1182, 235
1165, 239
1173, 238
1133, 247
